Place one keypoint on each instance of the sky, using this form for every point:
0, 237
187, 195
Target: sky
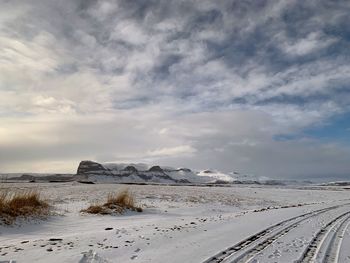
258, 87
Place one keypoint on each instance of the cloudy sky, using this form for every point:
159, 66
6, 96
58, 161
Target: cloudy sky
259, 87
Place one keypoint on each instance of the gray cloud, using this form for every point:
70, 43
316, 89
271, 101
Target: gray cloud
171, 82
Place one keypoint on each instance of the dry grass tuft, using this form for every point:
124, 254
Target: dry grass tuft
116, 203
96, 209
123, 199
21, 205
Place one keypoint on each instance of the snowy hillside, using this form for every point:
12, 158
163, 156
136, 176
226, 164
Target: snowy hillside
123, 172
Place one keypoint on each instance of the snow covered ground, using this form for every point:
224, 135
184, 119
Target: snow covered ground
241, 223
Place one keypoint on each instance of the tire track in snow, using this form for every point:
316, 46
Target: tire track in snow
247, 249
334, 249
319, 250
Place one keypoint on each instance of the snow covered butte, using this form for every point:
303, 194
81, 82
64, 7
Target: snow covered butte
141, 173
88, 167
128, 173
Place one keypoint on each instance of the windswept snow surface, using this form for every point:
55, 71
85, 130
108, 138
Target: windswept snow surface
185, 224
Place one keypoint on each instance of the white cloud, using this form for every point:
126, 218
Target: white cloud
312, 42
52, 105
26, 62
170, 82
172, 151
130, 32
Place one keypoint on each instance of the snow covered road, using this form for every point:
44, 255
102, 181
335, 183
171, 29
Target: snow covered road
311, 237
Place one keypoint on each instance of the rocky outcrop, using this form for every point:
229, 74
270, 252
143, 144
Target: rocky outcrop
90, 170
156, 169
130, 168
90, 167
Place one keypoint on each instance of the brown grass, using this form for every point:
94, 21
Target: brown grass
21, 205
96, 209
124, 199
116, 203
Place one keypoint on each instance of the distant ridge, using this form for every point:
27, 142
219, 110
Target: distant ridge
89, 170
93, 172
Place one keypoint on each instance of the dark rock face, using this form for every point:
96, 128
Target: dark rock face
184, 181
156, 169
129, 173
130, 168
89, 167
148, 177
